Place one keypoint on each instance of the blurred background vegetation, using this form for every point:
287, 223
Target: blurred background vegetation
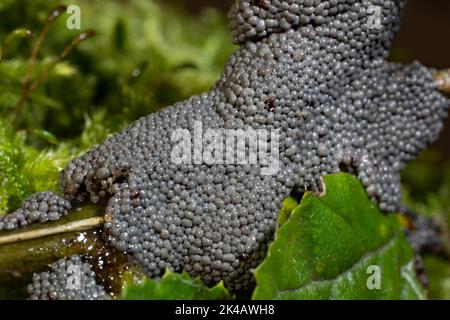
143, 57
146, 55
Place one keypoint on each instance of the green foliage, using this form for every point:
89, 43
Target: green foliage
174, 286
24, 169
144, 57
13, 185
324, 249
427, 190
438, 273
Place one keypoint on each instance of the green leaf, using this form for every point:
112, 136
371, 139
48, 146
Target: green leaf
326, 247
289, 204
174, 286
46, 136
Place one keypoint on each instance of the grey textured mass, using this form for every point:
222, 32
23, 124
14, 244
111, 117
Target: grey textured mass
40, 207
315, 70
69, 279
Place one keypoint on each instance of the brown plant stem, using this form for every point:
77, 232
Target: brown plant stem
442, 79
26, 90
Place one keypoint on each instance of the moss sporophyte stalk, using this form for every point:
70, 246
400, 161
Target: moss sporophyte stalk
316, 71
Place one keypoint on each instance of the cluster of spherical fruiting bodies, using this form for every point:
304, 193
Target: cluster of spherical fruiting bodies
69, 279
313, 70
40, 207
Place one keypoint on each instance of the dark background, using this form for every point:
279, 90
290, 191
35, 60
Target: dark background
424, 36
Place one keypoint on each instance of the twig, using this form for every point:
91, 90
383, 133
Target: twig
80, 225
443, 81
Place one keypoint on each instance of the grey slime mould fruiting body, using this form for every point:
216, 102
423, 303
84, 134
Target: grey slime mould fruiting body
69, 279
314, 70
39, 207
